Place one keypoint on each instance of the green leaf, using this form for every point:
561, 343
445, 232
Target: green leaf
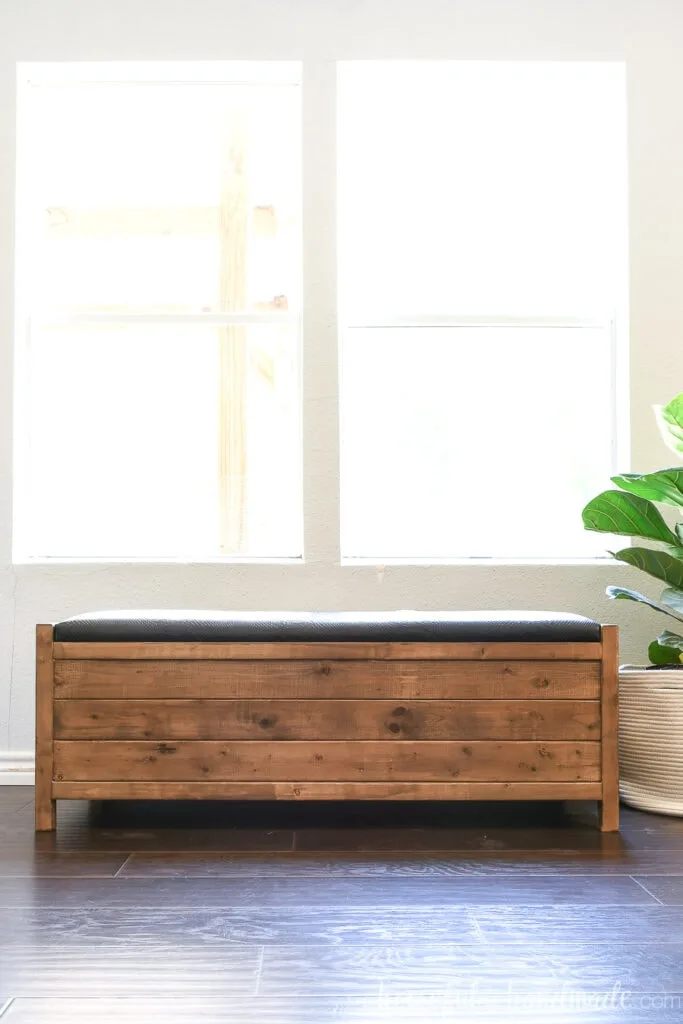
673, 599
615, 512
668, 639
666, 485
620, 594
659, 654
670, 422
659, 564
667, 649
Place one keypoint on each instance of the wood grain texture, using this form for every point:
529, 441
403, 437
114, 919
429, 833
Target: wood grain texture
298, 893
327, 761
213, 1009
384, 1006
667, 890
177, 971
391, 925
40, 927
295, 934
468, 967
409, 791
316, 721
597, 924
609, 809
468, 841
59, 863
327, 680
300, 864
326, 719
334, 651
44, 802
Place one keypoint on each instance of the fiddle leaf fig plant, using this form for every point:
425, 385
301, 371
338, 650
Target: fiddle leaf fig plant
632, 511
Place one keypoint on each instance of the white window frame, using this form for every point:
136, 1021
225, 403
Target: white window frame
26, 321
613, 321
322, 337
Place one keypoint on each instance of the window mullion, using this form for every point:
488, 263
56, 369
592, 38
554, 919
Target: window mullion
320, 359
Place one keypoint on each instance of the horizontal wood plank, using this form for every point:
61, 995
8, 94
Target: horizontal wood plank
328, 680
330, 761
327, 719
326, 790
337, 651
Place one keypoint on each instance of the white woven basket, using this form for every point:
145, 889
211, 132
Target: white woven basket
651, 738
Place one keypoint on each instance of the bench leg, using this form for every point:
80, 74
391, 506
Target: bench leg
609, 710
609, 814
46, 814
45, 805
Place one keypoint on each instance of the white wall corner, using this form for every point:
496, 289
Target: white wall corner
17, 768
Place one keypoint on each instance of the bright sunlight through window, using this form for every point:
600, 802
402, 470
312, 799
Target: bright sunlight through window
482, 230
159, 311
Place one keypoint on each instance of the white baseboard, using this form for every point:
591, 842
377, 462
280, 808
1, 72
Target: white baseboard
17, 768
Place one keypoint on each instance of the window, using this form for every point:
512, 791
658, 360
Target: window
160, 303
482, 258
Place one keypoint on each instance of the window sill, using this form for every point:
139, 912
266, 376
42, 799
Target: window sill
398, 563
376, 564
46, 560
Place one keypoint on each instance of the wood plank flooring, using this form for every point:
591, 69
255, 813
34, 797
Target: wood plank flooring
291, 914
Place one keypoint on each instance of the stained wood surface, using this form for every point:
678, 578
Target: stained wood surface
337, 651
301, 864
609, 818
326, 719
328, 680
330, 761
313, 933
44, 808
296, 893
337, 791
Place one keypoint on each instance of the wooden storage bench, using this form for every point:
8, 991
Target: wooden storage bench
327, 706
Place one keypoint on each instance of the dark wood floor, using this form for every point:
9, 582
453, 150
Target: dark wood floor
304, 914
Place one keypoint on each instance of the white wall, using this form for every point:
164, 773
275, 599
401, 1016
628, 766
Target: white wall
647, 34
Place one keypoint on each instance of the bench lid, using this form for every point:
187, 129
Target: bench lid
178, 626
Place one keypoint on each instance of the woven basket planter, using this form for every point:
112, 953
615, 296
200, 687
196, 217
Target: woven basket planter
651, 738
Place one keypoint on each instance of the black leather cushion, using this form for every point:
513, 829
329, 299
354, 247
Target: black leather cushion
175, 626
